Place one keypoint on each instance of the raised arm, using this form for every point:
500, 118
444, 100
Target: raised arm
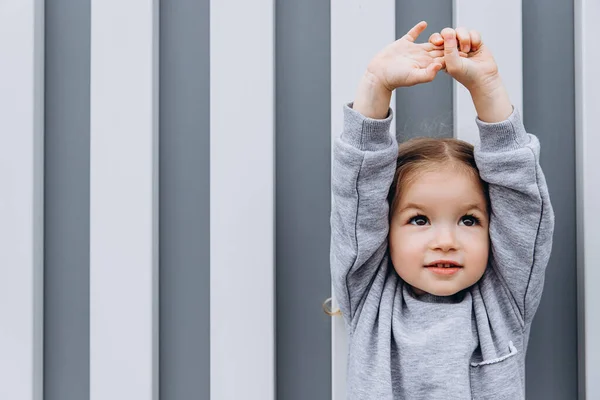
521, 217
364, 160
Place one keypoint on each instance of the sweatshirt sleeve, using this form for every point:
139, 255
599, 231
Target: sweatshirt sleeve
364, 163
521, 218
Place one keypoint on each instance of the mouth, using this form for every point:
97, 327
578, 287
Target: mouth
444, 267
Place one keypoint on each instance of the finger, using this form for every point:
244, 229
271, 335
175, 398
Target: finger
428, 74
430, 47
464, 39
450, 51
440, 53
416, 30
475, 40
441, 61
436, 39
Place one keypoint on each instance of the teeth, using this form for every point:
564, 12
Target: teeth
443, 265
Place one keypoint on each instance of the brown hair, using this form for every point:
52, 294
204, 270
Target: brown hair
425, 154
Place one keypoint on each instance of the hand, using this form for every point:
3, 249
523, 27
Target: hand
401, 63
478, 72
406, 63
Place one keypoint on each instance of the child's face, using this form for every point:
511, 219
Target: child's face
441, 216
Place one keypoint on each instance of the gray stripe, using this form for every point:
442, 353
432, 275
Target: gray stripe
67, 158
303, 125
549, 112
184, 200
424, 110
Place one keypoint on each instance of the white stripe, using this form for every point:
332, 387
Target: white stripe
242, 120
587, 87
21, 198
124, 200
506, 45
352, 47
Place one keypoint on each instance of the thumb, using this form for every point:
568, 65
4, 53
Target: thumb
427, 74
451, 55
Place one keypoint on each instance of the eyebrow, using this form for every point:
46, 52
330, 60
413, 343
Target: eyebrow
469, 206
412, 205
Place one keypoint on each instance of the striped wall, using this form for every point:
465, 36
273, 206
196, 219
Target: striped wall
184, 200
67, 200
587, 83
302, 181
124, 200
242, 137
165, 188
21, 199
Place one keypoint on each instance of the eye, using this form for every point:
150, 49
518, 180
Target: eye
419, 220
469, 220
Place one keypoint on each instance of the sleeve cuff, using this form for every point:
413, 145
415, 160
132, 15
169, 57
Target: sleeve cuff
366, 133
506, 135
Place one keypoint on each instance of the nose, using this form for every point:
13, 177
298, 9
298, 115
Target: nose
445, 239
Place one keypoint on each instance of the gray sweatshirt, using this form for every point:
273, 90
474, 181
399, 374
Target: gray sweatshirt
468, 346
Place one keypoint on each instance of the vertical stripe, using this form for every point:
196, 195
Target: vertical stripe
303, 199
21, 202
424, 110
123, 200
493, 23
549, 113
587, 83
351, 51
67, 201
242, 200
184, 200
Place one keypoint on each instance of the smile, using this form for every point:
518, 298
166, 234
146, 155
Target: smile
444, 264
444, 267
444, 270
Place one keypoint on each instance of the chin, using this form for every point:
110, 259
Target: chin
444, 291
448, 292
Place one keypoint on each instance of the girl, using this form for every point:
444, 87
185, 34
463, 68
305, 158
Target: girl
438, 249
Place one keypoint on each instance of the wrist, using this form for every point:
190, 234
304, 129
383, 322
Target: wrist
487, 87
491, 101
372, 97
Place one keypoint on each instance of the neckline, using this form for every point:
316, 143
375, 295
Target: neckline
431, 298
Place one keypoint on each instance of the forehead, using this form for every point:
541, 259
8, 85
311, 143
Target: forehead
443, 187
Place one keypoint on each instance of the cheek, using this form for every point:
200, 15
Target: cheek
406, 248
476, 245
